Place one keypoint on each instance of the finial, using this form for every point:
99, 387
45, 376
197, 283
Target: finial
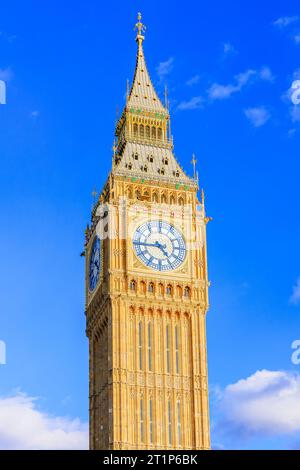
94, 195
166, 98
194, 162
141, 28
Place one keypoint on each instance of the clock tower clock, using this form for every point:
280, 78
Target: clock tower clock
147, 288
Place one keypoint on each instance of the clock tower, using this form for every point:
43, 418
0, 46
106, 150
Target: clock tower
147, 287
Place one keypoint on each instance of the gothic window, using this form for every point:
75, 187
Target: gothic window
129, 166
135, 130
140, 345
161, 171
169, 290
150, 346
159, 133
136, 156
177, 174
177, 349
168, 348
187, 292
153, 132
178, 423
155, 197
151, 421
165, 161
143, 287
141, 130
145, 168
172, 200
151, 288
150, 158
148, 132
132, 285
169, 423
142, 420
161, 289
164, 199
180, 201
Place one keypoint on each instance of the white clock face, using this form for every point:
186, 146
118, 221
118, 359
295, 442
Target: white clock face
159, 245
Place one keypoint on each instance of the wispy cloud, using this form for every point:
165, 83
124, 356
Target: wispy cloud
228, 49
24, 427
164, 68
218, 91
285, 21
258, 116
193, 103
34, 114
297, 38
295, 297
6, 74
265, 403
193, 80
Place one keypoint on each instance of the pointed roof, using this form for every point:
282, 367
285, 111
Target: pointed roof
142, 93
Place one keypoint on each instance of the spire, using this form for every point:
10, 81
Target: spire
142, 94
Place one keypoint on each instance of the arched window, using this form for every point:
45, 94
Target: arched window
148, 132
155, 197
181, 201
141, 130
151, 288
140, 345
178, 423
164, 199
172, 200
142, 420
187, 292
143, 287
161, 289
169, 290
132, 285
135, 130
150, 346
168, 348
169, 423
177, 349
151, 421
153, 132
159, 133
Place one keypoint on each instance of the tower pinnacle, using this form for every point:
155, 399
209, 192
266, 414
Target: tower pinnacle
141, 28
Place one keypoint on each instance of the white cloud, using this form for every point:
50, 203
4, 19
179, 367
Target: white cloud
257, 116
193, 103
295, 113
6, 74
266, 403
164, 68
285, 21
297, 38
24, 427
295, 297
193, 80
221, 92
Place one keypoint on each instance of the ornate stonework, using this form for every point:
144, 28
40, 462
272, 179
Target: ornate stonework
146, 328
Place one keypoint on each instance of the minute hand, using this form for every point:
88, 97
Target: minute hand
155, 245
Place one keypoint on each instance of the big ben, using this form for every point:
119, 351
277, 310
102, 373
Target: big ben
147, 287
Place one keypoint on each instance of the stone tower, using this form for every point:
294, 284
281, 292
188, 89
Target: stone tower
147, 287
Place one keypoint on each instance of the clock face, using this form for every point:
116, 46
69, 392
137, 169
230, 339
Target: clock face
159, 245
95, 259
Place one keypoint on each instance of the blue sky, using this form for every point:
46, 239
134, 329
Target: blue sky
229, 69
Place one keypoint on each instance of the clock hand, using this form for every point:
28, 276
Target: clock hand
155, 245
